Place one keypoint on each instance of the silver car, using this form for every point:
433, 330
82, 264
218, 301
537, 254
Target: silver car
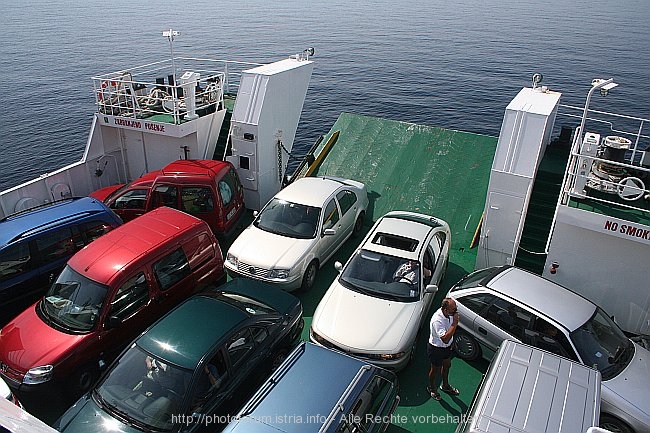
298, 230
502, 303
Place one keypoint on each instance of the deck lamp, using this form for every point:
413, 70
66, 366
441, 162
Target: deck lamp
597, 84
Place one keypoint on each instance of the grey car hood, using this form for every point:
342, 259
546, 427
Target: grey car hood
629, 390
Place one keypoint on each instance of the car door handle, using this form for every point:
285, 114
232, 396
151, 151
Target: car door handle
482, 330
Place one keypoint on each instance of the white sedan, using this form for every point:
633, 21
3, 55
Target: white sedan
298, 230
374, 309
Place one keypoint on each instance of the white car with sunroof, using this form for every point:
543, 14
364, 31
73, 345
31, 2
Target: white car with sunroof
298, 230
374, 308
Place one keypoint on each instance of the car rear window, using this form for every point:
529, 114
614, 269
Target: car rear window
474, 279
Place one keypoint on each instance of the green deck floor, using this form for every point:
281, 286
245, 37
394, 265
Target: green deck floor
423, 169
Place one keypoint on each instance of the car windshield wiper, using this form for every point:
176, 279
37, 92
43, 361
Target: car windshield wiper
119, 413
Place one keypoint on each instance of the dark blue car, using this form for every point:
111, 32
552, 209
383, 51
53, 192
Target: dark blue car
36, 244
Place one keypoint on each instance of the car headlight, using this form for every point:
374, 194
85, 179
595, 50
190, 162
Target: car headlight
313, 336
385, 356
232, 259
279, 273
39, 374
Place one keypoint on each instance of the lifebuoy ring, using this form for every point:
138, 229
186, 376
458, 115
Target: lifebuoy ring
103, 87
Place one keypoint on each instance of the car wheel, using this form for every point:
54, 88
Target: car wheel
310, 276
614, 424
358, 225
467, 347
278, 358
84, 379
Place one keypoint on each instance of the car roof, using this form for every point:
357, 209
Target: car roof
405, 225
310, 191
107, 255
188, 332
557, 302
313, 383
51, 215
193, 167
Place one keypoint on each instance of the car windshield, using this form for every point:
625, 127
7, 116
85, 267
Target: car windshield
74, 301
602, 344
288, 219
143, 390
381, 275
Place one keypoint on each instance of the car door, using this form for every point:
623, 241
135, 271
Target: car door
130, 203
503, 320
129, 310
348, 203
174, 278
471, 307
328, 244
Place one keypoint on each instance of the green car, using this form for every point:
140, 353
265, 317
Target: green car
195, 365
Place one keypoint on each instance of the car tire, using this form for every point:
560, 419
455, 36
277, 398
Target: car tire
467, 347
278, 358
309, 277
614, 424
84, 379
358, 225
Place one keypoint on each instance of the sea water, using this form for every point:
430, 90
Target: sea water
451, 64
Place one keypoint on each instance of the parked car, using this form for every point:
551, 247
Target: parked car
385, 290
324, 390
195, 362
529, 390
35, 245
208, 189
108, 293
298, 230
502, 303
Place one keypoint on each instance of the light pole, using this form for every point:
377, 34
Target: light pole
169, 34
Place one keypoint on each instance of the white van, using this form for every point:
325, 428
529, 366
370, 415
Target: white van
534, 391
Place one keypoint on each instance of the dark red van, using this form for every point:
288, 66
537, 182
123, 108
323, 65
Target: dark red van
107, 294
205, 188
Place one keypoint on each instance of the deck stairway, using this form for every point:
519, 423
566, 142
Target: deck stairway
539, 218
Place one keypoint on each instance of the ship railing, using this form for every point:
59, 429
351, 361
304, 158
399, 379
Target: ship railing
173, 91
608, 170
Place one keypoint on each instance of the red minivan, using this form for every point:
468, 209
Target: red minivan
205, 188
108, 293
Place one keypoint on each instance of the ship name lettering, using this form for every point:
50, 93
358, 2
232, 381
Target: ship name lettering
154, 127
127, 122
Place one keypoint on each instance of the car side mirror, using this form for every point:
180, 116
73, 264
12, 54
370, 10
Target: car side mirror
338, 266
329, 232
431, 288
113, 322
255, 213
